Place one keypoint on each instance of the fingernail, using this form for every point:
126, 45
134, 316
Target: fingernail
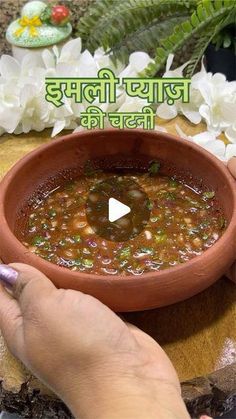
8, 275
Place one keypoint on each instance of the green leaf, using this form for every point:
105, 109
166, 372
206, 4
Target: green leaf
154, 167
170, 196
125, 253
207, 4
146, 250
173, 183
150, 204
109, 23
38, 241
187, 27
52, 213
203, 28
77, 238
208, 195
87, 263
201, 12
222, 223
160, 52
45, 16
218, 4
194, 19
160, 238
122, 27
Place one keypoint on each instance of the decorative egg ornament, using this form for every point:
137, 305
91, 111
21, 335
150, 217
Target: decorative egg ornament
40, 26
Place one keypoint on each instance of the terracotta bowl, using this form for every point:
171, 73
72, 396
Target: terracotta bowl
129, 293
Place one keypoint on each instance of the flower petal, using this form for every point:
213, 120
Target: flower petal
217, 148
169, 61
166, 111
204, 138
181, 133
9, 67
70, 51
230, 134
10, 118
230, 151
87, 66
139, 60
58, 127
192, 115
49, 59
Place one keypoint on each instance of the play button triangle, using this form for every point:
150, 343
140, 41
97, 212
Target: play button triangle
117, 210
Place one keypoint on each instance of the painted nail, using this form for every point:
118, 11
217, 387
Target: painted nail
8, 275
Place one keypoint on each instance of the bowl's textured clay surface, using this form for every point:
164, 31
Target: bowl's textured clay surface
126, 293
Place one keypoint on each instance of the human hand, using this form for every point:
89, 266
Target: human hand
98, 365
231, 274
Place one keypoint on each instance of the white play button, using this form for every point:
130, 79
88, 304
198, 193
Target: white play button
117, 210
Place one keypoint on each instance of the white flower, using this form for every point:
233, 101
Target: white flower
219, 107
70, 52
49, 59
211, 143
103, 60
217, 148
133, 104
137, 63
23, 106
9, 68
166, 111
189, 110
213, 99
203, 138
230, 133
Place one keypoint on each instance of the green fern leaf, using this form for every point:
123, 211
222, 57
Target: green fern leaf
218, 4
107, 18
199, 26
186, 27
194, 20
146, 38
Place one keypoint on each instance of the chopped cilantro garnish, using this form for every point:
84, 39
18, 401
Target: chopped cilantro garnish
208, 195
154, 168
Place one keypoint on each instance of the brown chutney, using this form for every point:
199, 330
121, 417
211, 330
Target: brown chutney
184, 222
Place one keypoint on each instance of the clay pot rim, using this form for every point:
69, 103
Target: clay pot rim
91, 278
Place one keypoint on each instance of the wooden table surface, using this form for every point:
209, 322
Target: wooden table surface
199, 335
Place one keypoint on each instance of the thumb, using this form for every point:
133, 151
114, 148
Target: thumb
27, 284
